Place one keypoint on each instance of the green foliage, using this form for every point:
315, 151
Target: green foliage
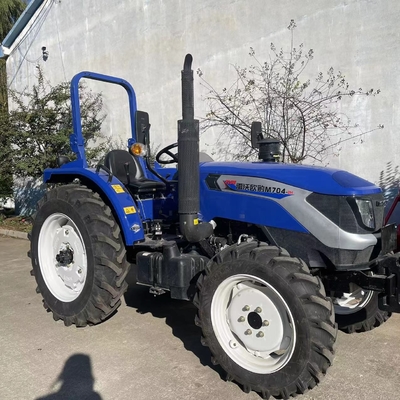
3, 86
6, 184
6, 179
39, 126
303, 114
10, 10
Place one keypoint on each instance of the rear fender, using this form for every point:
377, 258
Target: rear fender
111, 190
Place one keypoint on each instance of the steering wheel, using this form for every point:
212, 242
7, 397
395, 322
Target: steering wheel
166, 150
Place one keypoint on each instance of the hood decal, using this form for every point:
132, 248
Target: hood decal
277, 191
250, 185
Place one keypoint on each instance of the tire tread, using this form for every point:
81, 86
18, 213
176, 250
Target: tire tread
319, 309
110, 271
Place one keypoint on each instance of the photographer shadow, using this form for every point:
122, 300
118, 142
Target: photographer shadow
76, 379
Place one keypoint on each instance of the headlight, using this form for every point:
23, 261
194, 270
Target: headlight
366, 212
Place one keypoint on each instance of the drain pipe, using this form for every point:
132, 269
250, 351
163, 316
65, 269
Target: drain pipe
188, 169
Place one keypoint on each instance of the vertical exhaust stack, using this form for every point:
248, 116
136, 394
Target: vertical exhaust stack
188, 170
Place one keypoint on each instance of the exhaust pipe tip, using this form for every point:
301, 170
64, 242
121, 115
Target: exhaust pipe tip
187, 65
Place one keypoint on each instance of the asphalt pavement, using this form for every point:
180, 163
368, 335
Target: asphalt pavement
150, 349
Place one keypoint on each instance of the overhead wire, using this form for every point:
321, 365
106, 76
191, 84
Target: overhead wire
38, 19
38, 22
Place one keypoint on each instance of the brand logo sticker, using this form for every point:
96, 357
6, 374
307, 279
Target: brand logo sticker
255, 188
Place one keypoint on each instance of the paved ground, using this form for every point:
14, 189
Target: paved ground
150, 350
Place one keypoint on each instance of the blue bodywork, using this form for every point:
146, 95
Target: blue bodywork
251, 206
244, 202
315, 179
128, 212
122, 203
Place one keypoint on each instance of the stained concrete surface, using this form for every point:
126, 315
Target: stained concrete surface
150, 350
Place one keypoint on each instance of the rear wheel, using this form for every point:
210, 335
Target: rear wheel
266, 320
358, 311
78, 256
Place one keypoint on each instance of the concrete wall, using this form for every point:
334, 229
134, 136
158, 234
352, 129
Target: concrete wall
145, 41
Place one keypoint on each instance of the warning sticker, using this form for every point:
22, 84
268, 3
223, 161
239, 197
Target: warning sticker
129, 210
118, 188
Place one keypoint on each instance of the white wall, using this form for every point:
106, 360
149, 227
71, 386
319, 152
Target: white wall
145, 41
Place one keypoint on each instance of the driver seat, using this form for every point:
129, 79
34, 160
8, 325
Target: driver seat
129, 171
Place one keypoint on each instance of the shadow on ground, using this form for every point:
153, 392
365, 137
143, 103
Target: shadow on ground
76, 380
179, 315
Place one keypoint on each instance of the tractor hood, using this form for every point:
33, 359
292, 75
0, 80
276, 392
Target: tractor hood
315, 179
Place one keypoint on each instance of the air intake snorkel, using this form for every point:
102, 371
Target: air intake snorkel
188, 170
269, 150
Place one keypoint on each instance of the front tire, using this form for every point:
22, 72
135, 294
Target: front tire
78, 256
266, 320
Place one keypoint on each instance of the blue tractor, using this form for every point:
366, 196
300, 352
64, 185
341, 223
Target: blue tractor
275, 256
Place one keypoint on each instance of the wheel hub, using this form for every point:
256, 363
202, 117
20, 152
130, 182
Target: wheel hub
65, 256
255, 320
68, 267
253, 323
62, 255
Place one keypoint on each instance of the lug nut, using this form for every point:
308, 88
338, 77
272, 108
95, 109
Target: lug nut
67, 232
233, 344
248, 332
258, 310
265, 323
260, 334
79, 270
246, 308
241, 319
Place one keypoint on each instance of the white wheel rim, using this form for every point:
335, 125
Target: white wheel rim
240, 304
353, 302
60, 235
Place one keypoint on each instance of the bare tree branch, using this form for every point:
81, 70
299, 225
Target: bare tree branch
303, 115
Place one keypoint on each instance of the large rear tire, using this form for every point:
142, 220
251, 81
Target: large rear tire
78, 256
266, 320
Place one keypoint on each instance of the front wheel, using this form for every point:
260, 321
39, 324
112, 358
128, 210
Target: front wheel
78, 256
266, 320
